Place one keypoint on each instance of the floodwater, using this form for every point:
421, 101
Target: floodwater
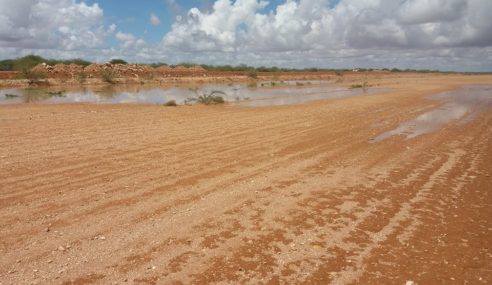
259, 94
460, 106
289, 97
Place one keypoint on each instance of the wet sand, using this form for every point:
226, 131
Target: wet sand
297, 194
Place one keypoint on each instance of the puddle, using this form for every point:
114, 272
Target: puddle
460, 106
299, 96
259, 94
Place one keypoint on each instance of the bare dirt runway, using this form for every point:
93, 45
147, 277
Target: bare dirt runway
140, 194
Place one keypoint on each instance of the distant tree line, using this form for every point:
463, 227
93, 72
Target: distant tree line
29, 61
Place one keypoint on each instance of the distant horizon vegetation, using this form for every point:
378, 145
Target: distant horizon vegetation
27, 62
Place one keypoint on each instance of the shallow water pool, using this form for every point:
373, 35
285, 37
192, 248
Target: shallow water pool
460, 106
258, 94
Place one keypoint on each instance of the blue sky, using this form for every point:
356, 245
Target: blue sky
134, 16
421, 34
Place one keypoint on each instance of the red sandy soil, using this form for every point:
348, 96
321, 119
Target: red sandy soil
9, 74
140, 194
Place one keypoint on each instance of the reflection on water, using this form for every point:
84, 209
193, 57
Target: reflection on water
299, 96
460, 105
259, 94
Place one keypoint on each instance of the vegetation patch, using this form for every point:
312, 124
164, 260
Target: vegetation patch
170, 103
118, 61
10, 96
210, 99
33, 76
56, 93
108, 75
252, 74
30, 61
363, 85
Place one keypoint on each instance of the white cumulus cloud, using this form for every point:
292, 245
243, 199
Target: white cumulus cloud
112, 28
314, 29
50, 24
128, 40
154, 20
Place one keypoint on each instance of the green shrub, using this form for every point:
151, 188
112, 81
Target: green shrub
108, 75
10, 96
27, 62
56, 93
189, 101
364, 85
211, 99
77, 61
252, 73
32, 76
118, 61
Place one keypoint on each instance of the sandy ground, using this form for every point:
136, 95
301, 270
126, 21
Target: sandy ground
134, 194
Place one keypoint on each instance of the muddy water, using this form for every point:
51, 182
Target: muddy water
313, 94
259, 94
460, 106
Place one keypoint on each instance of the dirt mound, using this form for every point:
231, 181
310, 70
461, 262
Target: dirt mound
59, 70
74, 68
164, 68
42, 68
132, 70
197, 68
120, 70
63, 70
92, 68
180, 68
60, 67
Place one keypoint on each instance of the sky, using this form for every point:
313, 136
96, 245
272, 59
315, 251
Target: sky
416, 34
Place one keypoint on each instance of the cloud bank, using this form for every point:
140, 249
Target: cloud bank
50, 24
445, 34
372, 31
